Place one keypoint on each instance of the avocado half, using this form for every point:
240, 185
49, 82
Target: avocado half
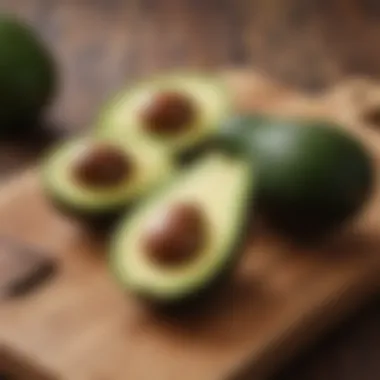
222, 188
211, 102
312, 175
150, 168
27, 75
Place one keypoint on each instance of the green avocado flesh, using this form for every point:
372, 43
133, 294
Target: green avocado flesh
151, 168
27, 75
222, 187
311, 175
121, 118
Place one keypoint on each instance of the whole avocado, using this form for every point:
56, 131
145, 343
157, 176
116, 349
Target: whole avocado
312, 175
27, 75
236, 135
233, 137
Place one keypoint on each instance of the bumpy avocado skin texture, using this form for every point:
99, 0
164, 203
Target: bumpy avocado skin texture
312, 176
27, 76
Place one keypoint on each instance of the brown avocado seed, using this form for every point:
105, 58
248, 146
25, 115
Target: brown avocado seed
102, 166
176, 235
168, 113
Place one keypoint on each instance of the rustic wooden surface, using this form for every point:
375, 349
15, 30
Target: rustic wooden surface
308, 43
81, 325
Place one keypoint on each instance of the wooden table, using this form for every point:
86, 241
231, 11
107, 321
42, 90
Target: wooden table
307, 43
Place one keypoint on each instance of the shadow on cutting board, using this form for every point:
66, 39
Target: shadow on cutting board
12, 367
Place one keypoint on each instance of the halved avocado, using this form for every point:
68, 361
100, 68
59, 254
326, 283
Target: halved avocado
178, 243
175, 111
97, 179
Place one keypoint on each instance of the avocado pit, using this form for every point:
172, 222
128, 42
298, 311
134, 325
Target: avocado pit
168, 113
176, 235
102, 166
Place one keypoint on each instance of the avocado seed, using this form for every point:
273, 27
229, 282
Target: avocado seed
176, 235
168, 113
102, 166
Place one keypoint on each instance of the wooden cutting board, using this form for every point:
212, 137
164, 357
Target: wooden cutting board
81, 326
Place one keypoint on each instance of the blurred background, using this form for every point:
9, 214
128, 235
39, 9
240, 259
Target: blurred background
102, 45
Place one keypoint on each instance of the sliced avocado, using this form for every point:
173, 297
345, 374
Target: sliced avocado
176, 111
27, 75
203, 214
97, 178
311, 174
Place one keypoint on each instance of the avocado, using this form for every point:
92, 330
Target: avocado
235, 134
175, 111
311, 174
178, 243
97, 179
27, 76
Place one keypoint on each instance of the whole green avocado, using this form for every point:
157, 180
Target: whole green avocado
27, 75
312, 175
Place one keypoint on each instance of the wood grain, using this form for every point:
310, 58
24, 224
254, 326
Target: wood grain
307, 43
82, 326
102, 45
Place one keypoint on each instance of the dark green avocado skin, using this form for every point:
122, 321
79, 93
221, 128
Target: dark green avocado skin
232, 138
312, 176
27, 76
